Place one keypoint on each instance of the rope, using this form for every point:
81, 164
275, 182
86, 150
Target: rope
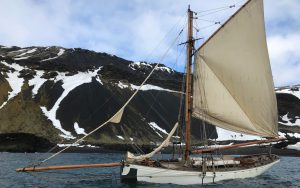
132, 143
217, 10
181, 111
211, 21
155, 96
121, 109
214, 9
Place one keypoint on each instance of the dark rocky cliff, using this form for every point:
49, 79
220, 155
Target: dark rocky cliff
55, 95
85, 88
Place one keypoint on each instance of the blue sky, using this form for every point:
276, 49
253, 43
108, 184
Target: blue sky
136, 29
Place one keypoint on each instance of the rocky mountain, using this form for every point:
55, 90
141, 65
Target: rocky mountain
55, 95
61, 94
288, 99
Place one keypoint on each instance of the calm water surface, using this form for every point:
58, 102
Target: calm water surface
283, 174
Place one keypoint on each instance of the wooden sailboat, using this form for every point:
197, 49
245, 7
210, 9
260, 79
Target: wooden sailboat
232, 89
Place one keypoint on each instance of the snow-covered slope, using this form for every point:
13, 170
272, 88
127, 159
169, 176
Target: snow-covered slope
14, 81
293, 90
289, 112
75, 90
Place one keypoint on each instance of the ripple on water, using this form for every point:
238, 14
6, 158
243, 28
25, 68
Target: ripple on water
284, 174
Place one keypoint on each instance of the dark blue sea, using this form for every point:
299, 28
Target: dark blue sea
283, 174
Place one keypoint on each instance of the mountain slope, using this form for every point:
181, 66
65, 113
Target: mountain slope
61, 94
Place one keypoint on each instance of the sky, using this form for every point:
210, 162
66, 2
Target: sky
144, 30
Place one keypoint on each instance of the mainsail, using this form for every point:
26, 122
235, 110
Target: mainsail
233, 85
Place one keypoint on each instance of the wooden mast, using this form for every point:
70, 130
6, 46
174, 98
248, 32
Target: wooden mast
188, 89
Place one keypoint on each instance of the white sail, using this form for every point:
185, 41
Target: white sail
233, 85
117, 117
131, 157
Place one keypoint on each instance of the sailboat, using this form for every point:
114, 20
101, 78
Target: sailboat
231, 87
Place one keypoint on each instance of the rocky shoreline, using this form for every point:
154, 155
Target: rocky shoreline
241, 151
21, 142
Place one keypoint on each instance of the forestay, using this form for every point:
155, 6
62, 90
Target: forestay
233, 85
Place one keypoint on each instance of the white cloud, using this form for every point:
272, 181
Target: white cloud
132, 29
285, 57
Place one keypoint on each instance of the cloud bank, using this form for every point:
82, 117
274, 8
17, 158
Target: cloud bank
136, 29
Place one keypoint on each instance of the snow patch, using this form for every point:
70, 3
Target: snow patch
295, 146
289, 91
20, 58
281, 135
138, 65
284, 135
285, 117
14, 81
98, 80
120, 137
230, 135
28, 52
155, 127
61, 52
51, 115
67, 145
147, 87
69, 83
21, 50
15, 66
130, 66
79, 130
296, 135
77, 145
37, 81
288, 122
165, 69
122, 85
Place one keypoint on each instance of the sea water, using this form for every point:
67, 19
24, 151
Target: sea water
283, 174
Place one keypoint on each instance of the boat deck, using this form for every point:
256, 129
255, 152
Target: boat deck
209, 164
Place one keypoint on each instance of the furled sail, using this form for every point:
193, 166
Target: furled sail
233, 85
131, 157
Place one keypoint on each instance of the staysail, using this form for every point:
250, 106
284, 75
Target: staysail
233, 85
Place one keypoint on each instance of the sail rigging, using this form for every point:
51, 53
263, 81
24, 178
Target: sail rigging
233, 85
233, 89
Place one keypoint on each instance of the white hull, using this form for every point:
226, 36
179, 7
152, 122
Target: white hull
163, 175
